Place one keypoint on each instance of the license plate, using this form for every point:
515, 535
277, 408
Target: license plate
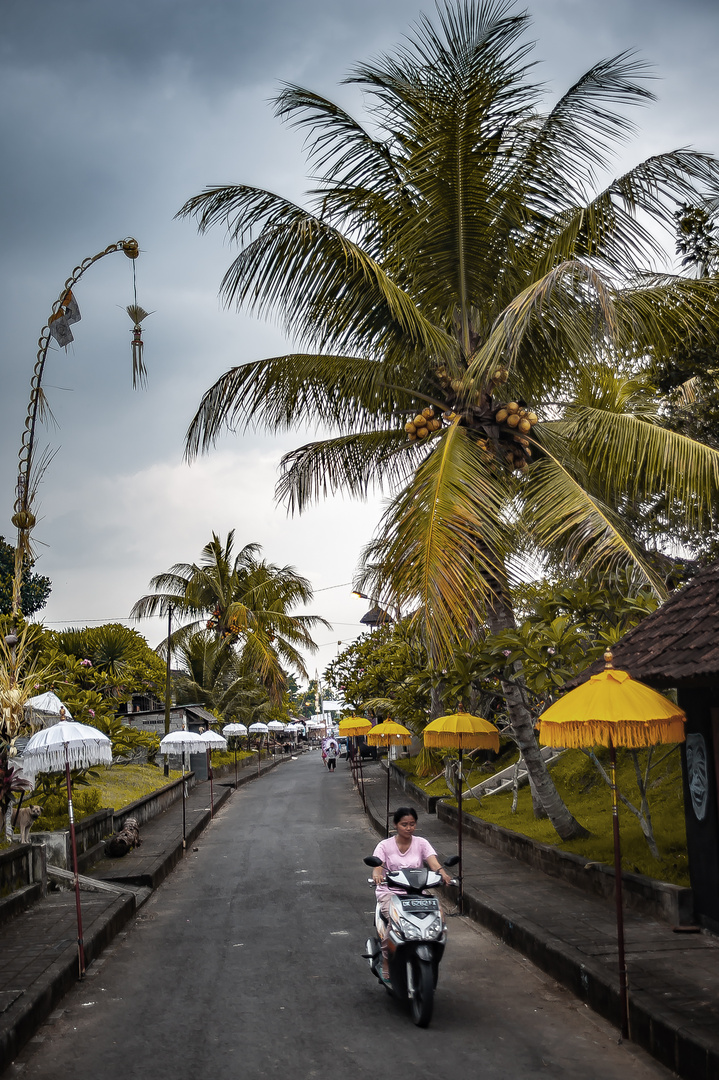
430, 904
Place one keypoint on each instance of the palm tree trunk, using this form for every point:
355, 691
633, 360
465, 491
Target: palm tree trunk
566, 825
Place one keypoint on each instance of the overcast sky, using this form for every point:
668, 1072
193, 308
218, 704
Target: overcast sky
113, 115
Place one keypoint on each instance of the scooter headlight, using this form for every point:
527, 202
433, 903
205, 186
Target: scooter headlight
435, 929
409, 930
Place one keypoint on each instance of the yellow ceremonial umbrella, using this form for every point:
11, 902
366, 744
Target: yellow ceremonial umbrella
352, 726
613, 709
388, 734
461, 731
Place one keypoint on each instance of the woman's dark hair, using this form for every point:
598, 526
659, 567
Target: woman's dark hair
403, 812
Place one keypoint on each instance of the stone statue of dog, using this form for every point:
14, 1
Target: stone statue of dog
127, 838
23, 819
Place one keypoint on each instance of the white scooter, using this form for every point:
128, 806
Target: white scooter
416, 935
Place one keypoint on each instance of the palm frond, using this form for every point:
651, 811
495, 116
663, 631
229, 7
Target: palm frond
280, 392
357, 464
639, 459
322, 283
441, 542
578, 526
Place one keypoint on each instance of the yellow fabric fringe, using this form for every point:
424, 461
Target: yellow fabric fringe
388, 740
630, 733
462, 740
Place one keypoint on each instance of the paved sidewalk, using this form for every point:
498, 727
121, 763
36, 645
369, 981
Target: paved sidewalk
38, 948
673, 978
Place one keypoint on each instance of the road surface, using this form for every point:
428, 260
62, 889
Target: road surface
247, 963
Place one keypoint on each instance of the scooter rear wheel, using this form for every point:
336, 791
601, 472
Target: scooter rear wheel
422, 1001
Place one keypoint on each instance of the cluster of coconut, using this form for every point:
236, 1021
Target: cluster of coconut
422, 425
519, 421
500, 376
514, 416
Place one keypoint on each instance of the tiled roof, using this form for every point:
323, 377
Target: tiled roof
679, 642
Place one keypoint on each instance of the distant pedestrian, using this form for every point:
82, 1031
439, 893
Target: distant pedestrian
331, 756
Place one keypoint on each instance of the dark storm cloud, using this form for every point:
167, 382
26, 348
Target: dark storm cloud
218, 40
113, 115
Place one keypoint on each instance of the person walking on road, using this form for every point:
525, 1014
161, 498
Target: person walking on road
331, 756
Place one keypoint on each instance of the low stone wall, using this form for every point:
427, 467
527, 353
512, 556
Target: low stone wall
150, 805
21, 865
658, 899
89, 834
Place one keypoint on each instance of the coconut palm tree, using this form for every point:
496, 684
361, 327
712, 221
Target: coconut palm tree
211, 675
476, 319
244, 601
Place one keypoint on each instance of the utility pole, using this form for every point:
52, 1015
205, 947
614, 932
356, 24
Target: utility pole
167, 684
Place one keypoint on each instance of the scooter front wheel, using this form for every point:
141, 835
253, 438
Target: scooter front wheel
422, 1000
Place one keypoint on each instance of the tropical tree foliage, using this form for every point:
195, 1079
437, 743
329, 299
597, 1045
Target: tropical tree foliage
211, 675
94, 669
466, 252
383, 674
35, 588
244, 601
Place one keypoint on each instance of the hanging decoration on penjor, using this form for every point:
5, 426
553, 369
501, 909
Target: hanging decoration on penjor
137, 314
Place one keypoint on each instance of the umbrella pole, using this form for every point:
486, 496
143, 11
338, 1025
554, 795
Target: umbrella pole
387, 814
361, 776
184, 842
209, 773
460, 897
235, 766
73, 843
624, 1003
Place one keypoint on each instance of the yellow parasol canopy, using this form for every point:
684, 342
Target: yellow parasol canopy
461, 731
389, 733
354, 725
612, 706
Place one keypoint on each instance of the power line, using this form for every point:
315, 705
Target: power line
127, 618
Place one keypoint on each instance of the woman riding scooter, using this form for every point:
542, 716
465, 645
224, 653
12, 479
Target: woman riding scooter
403, 851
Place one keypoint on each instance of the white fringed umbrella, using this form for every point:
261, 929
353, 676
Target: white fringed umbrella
62, 747
48, 704
80, 745
184, 742
234, 729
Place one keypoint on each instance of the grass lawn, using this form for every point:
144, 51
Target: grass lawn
589, 798
112, 786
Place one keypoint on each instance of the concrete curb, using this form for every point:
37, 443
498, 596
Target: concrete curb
22, 1019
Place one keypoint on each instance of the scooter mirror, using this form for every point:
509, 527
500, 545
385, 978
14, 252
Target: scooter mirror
452, 860
372, 860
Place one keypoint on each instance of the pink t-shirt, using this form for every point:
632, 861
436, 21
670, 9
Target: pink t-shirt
413, 858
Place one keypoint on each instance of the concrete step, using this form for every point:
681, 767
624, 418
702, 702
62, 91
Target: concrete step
504, 781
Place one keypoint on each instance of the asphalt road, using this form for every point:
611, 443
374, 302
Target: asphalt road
246, 963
